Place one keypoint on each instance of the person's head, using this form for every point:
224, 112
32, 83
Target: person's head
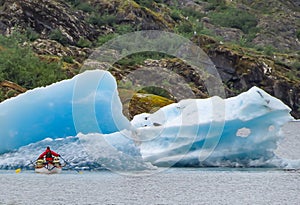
48, 147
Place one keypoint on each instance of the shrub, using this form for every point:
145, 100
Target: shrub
103, 39
57, 35
298, 33
175, 15
82, 43
105, 19
185, 27
20, 65
67, 59
108, 19
31, 34
187, 11
296, 65
124, 28
74, 2
148, 4
234, 18
86, 7
215, 5
269, 50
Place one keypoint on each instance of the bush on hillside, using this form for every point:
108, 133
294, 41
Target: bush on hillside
234, 18
20, 65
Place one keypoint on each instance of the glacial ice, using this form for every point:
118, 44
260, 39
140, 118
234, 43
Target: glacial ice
87, 117
192, 133
87, 103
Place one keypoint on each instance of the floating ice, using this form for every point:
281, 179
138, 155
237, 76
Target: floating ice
87, 103
194, 132
85, 114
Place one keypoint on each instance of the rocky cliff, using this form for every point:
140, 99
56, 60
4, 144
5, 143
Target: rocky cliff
250, 42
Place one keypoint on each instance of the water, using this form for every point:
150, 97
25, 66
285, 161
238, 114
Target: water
174, 186
171, 186
289, 147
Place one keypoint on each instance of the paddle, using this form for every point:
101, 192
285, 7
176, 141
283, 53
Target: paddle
79, 172
19, 169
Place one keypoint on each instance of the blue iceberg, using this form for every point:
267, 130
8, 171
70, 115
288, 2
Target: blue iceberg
85, 114
87, 103
239, 131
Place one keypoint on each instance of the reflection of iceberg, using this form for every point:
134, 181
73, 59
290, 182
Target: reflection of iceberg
239, 131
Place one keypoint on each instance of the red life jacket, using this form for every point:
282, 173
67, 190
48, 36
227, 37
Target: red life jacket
49, 156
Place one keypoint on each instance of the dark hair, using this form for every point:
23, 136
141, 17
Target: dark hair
48, 147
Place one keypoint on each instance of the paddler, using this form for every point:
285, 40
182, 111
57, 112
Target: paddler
48, 153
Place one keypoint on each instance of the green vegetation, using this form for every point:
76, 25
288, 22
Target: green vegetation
102, 20
185, 28
192, 13
139, 58
298, 33
234, 18
267, 50
176, 15
58, 36
147, 3
67, 59
156, 91
31, 35
103, 39
82, 43
296, 66
20, 65
124, 28
84, 6
215, 4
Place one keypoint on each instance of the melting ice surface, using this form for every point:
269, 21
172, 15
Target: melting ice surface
87, 103
82, 119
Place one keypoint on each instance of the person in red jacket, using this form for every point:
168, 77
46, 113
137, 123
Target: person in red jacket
48, 153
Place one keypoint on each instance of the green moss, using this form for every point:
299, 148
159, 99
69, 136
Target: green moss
128, 5
149, 103
157, 91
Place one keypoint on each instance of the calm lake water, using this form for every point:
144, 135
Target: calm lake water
172, 186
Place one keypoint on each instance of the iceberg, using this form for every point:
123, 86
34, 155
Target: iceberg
85, 114
87, 103
194, 133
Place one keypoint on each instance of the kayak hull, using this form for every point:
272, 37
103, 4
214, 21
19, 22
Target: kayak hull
48, 169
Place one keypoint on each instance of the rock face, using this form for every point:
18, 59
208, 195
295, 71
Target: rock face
44, 16
139, 17
240, 71
54, 48
278, 22
60, 26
